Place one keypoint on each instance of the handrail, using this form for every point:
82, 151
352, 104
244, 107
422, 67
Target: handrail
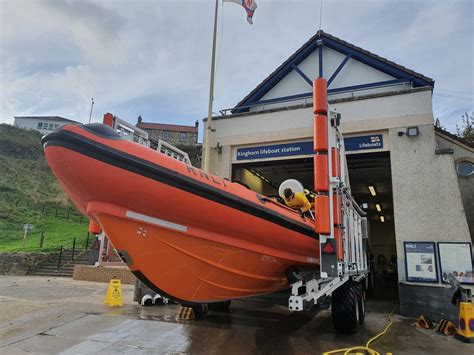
225, 112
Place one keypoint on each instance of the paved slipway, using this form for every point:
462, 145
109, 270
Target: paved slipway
59, 315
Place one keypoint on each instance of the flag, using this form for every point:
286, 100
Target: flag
248, 5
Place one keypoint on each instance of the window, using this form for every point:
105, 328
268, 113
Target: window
56, 126
465, 168
51, 125
183, 136
40, 125
165, 135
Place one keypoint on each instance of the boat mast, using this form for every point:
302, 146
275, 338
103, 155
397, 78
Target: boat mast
208, 127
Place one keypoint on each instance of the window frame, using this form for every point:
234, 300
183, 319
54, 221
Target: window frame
464, 160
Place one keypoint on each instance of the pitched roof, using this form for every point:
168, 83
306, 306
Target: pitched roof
48, 118
322, 38
467, 142
167, 127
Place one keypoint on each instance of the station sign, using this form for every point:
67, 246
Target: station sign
306, 148
374, 141
275, 150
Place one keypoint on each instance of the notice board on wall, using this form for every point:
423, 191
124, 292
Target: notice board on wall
421, 261
456, 258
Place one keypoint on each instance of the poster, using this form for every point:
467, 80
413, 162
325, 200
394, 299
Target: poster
420, 259
456, 258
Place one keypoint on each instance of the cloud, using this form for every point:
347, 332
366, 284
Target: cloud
153, 57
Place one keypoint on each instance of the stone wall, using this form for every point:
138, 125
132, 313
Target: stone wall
18, 263
174, 137
103, 273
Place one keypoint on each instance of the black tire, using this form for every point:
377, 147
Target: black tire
346, 308
361, 304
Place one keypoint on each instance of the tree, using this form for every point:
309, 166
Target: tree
466, 131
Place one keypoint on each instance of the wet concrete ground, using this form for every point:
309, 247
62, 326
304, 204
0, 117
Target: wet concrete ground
59, 315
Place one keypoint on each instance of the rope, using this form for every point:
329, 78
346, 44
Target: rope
366, 347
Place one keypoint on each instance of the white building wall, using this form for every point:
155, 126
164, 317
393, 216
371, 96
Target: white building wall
32, 123
359, 116
426, 197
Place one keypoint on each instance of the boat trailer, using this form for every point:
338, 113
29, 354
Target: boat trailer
341, 225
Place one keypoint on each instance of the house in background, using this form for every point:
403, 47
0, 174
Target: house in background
173, 134
43, 124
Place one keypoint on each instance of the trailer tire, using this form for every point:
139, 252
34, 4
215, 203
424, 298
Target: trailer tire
361, 304
346, 308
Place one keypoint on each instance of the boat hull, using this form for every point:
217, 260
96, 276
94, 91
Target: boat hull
189, 235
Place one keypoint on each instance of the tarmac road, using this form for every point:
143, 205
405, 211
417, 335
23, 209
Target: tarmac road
59, 315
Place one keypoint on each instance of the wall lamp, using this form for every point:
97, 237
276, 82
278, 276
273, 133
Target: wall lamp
410, 132
372, 190
382, 219
218, 148
377, 206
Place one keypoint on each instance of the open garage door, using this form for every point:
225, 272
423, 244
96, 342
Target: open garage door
371, 183
266, 177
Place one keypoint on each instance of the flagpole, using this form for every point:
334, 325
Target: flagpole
208, 127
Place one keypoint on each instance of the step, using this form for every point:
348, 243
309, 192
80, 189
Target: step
53, 271
51, 275
55, 267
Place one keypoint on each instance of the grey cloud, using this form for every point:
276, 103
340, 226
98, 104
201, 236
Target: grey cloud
153, 57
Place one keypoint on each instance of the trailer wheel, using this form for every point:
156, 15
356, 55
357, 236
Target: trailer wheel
361, 304
346, 308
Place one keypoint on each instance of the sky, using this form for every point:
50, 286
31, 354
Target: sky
152, 57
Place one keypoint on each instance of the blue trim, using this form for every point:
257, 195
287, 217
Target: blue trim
303, 75
278, 75
367, 86
330, 91
320, 61
284, 98
376, 64
309, 48
339, 68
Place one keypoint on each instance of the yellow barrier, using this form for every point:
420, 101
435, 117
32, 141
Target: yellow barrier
466, 322
114, 294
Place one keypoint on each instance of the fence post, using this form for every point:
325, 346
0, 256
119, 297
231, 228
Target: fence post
41, 239
87, 241
73, 247
60, 256
56, 213
67, 217
80, 220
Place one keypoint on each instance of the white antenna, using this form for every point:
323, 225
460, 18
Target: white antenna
92, 105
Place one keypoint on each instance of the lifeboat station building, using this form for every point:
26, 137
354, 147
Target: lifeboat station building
415, 180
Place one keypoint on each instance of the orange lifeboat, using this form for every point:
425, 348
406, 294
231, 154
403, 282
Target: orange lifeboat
189, 235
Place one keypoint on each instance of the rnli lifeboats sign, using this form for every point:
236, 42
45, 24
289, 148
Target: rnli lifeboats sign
276, 150
363, 142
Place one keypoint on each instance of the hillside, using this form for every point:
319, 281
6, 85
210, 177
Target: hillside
29, 193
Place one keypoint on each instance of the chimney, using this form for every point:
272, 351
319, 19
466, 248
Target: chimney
139, 119
196, 124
